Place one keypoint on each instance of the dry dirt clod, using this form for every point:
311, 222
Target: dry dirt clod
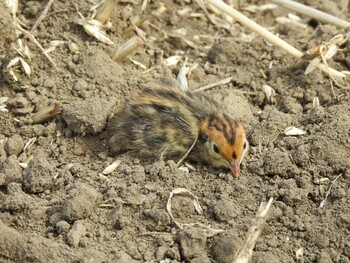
192, 245
226, 247
10, 171
122, 257
39, 175
89, 116
81, 203
14, 145
292, 169
16, 199
75, 234
62, 227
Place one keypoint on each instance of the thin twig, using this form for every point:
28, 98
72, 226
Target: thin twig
42, 16
312, 12
322, 204
245, 253
215, 84
188, 151
223, 82
32, 38
267, 35
154, 234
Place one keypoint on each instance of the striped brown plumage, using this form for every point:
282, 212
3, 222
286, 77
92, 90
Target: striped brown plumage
163, 121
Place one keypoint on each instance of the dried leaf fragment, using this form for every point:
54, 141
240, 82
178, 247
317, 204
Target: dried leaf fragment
19, 64
25, 67
138, 63
95, 29
270, 94
3, 108
299, 253
172, 61
315, 103
110, 168
182, 79
13, 6
26, 162
324, 52
29, 144
324, 201
182, 191
293, 131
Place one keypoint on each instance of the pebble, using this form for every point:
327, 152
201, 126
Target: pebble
62, 227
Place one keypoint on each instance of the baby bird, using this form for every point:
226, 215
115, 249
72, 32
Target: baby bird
165, 121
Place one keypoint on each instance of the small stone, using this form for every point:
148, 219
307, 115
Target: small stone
81, 84
75, 234
62, 227
73, 47
84, 242
49, 83
14, 145
78, 150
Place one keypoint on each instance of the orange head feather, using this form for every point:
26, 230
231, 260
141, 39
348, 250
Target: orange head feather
225, 141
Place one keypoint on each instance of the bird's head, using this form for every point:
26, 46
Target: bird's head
225, 141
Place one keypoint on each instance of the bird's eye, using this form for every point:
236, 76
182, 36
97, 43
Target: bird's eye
234, 156
216, 149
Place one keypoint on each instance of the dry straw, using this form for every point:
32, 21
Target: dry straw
268, 36
245, 252
312, 12
46, 113
124, 50
105, 10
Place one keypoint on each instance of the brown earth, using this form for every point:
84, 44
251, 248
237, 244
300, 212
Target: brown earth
61, 209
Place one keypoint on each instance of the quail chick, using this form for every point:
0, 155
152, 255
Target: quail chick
165, 121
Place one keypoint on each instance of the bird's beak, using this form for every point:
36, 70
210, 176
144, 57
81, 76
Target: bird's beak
234, 166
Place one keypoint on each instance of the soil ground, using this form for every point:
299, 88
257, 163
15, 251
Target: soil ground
60, 208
